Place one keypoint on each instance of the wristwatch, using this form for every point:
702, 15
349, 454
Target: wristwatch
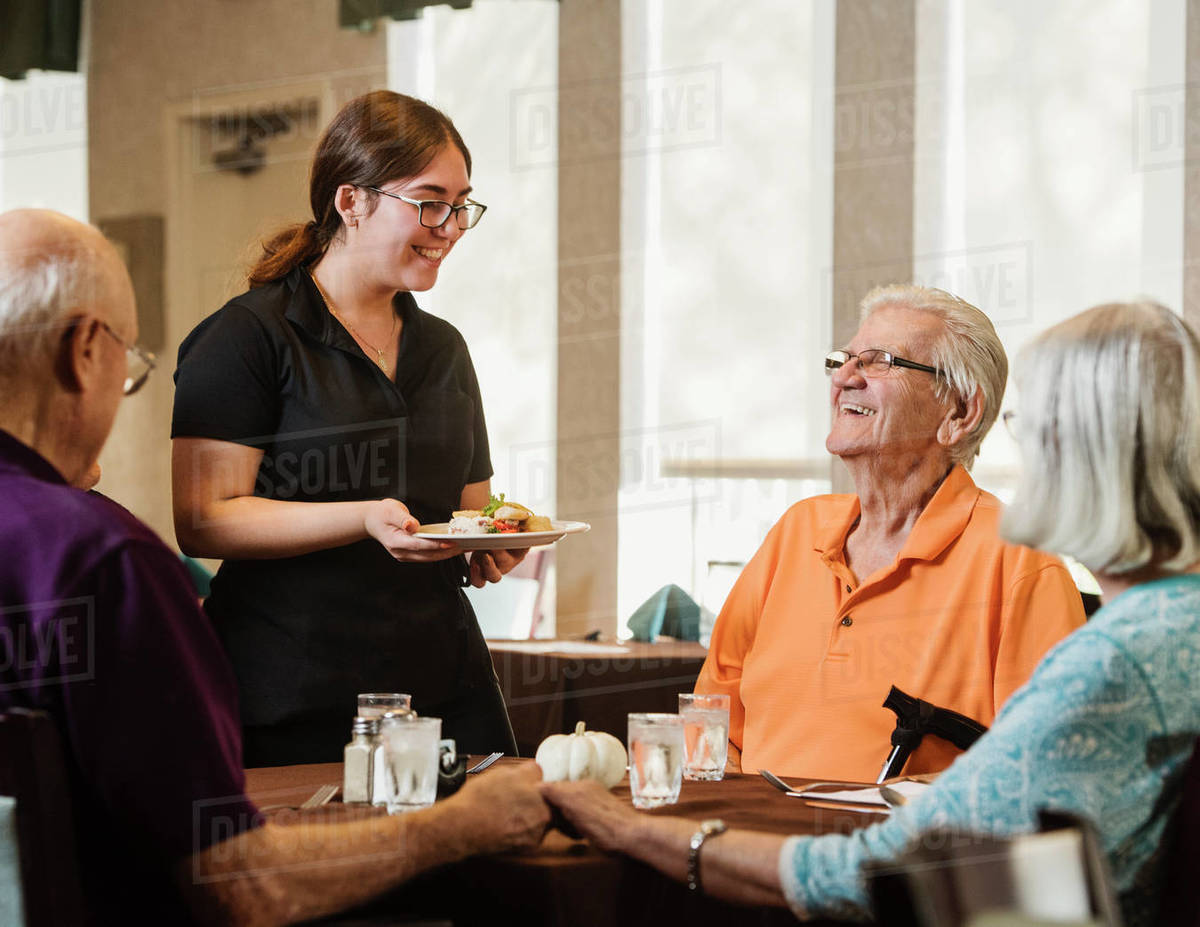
710, 828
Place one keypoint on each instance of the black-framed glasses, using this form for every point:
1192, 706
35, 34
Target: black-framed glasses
432, 214
138, 362
874, 362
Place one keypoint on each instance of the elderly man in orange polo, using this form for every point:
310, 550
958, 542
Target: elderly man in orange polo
904, 583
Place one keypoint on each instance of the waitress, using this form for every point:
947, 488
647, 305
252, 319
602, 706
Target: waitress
319, 418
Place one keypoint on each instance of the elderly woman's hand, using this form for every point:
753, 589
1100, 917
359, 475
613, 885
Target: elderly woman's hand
600, 816
488, 566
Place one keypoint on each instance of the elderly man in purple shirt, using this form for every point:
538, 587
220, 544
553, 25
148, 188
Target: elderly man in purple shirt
99, 627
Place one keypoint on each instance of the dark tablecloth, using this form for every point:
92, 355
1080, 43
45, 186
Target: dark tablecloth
568, 882
548, 691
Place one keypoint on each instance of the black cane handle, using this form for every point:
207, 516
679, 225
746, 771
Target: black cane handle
914, 719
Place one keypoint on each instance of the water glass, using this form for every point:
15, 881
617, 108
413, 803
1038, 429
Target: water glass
705, 735
655, 759
411, 763
375, 704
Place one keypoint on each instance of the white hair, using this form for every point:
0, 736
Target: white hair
968, 353
39, 291
1109, 428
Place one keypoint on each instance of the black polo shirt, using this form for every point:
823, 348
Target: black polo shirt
273, 369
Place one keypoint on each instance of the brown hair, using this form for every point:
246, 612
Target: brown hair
378, 137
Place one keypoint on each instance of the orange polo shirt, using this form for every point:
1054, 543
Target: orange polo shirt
807, 655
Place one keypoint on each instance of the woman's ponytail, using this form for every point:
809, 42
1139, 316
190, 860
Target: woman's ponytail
285, 250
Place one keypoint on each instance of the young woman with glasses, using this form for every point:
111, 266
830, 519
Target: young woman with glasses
319, 418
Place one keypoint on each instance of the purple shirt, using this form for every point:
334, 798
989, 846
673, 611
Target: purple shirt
99, 626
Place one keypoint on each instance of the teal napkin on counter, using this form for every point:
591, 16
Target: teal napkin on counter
670, 611
201, 578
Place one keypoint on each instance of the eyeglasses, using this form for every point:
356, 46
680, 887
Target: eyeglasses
432, 214
874, 362
138, 361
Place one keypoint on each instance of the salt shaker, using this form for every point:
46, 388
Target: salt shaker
358, 760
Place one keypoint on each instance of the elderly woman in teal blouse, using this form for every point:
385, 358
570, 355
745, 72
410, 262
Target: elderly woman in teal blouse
1109, 429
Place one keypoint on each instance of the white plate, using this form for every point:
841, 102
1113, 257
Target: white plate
512, 541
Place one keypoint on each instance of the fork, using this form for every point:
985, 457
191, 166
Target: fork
808, 787
318, 798
321, 796
484, 763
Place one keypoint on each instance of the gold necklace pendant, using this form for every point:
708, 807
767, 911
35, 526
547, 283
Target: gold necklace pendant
381, 357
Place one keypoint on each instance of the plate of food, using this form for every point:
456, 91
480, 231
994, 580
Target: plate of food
500, 525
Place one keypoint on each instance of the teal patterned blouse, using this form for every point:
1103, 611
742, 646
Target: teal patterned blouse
1104, 729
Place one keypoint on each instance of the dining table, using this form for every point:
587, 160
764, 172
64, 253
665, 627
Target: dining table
551, 685
565, 881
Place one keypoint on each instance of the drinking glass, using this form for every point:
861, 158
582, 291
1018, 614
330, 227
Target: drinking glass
411, 769
655, 759
375, 704
705, 735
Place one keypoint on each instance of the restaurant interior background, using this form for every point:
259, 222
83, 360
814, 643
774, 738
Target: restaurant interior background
686, 200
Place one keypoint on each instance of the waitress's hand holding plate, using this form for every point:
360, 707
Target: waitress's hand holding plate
488, 566
390, 523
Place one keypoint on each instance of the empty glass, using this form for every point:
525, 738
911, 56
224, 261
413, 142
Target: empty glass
411, 753
655, 759
375, 704
705, 735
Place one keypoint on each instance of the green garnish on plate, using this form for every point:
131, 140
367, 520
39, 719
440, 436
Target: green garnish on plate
494, 502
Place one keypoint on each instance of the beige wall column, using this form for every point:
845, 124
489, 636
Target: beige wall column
874, 115
589, 313
1191, 169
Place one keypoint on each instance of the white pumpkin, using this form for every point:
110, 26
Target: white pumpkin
582, 755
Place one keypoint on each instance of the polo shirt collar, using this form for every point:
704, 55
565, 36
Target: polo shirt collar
944, 519
18, 457
306, 308
831, 538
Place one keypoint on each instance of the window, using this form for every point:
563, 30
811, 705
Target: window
727, 239
43, 143
1048, 164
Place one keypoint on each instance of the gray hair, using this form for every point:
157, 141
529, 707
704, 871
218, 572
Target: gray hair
1109, 428
39, 291
969, 353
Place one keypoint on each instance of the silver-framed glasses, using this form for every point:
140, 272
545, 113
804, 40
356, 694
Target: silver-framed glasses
138, 362
874, 362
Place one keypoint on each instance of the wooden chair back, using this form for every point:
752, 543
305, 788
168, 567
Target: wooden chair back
32, 771
1181, 893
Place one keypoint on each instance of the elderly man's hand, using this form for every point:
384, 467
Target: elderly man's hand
601, 817
504, 807
488, 566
